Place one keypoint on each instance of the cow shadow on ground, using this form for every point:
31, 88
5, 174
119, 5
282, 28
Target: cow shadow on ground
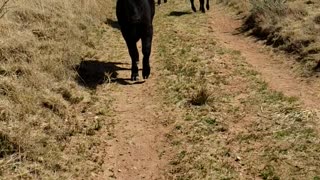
92, 73
112, 23
179, 13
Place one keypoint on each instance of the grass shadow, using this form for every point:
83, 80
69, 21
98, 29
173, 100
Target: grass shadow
179, 13
92, 73
112, 23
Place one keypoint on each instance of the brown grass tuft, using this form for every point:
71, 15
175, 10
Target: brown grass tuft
317, 19
201, 97
7, 147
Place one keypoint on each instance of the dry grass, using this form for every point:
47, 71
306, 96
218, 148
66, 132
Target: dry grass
49, 124
201, 97
245, 130
288, 25
3, 8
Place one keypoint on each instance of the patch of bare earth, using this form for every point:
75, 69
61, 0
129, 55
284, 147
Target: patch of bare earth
134, 152
275, 69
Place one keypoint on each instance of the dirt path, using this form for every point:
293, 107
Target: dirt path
138, 148
138, 136
275, 69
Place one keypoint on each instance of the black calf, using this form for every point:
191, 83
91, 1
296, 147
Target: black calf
201, 6
135, 19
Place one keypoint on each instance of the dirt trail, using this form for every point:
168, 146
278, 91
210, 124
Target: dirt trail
275, 70
133, 153
137, 150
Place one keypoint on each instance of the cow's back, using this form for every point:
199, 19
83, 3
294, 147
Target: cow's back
135, 11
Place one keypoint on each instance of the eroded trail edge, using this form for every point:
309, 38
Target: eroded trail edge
275, 69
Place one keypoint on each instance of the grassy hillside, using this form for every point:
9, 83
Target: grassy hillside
49, 124
290, 25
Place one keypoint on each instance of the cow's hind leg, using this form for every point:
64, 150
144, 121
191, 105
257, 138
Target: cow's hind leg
192, 6
208, 6
202, 6
134, 54
146, 50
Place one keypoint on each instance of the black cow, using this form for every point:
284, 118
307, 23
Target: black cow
159, 2
135, 19
193, 7
201, 6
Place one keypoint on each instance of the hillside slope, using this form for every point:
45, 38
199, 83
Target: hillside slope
292, 26
49, 121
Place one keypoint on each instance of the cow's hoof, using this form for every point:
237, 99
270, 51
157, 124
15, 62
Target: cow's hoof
194, 9
208, 7
135, 77
145, 76
146, 73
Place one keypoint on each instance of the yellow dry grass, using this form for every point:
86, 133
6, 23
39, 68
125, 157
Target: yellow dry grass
48, 123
